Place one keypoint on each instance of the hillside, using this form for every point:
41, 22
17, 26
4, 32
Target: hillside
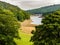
44, 10
19, 13
10, 26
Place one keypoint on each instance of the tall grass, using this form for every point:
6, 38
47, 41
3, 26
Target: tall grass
25, 39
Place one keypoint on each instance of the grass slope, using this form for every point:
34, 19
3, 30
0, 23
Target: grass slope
25, 39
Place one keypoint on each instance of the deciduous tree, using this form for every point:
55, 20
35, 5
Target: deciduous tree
8, 29
49, 32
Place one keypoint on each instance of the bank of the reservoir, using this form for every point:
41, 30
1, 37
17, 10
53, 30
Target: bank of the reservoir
28, 25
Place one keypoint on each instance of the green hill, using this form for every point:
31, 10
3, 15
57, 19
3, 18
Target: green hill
19, 13
10, 23
44, 10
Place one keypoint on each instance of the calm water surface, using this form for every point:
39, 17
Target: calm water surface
36, 20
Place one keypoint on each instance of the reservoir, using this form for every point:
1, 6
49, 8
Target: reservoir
36, 20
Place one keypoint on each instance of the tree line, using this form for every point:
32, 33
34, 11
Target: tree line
49, 32
9, 17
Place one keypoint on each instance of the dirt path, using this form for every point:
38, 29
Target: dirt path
27, 27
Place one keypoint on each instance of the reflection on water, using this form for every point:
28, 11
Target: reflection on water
36, 20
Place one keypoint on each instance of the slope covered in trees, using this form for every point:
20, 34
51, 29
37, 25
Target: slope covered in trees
9, 17
19, 13
44, 10
49, 32
8, 29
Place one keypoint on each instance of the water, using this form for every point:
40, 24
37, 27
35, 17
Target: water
36, 20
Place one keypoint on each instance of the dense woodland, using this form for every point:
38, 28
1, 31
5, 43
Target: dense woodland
19, 13
9, 17
49, 32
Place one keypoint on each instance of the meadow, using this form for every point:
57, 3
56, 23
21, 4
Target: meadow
25, 39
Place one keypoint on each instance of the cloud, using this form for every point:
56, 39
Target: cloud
31, 4
34, 4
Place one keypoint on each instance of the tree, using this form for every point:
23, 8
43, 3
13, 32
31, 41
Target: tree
9, 17
22, 15
7, 8
27, 15
49, 32
8, 29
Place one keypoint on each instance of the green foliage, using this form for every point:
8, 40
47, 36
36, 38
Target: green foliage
27, 15
49, 32
23, 15
9, 17
8, 29
16, 11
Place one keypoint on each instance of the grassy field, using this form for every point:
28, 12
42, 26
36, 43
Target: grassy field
25, 39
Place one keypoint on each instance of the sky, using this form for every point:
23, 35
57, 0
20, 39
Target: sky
32, 4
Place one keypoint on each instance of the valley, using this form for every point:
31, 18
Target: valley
38, 26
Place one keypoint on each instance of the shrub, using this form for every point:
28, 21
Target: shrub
49, 32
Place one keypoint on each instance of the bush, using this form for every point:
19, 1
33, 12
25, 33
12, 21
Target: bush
8, 29
49, 32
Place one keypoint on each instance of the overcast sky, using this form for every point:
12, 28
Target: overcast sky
31, 4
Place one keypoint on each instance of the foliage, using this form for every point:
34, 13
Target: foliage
8, 29
49, 32
23, 15
9, 17
27, 15
19, 13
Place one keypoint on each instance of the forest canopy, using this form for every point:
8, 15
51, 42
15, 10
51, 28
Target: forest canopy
16, 11
10, 15
49, 32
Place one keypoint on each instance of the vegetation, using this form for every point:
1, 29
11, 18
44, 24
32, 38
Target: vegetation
9, 17
49, 32
45, 10
19, 13
8, 29
25, 39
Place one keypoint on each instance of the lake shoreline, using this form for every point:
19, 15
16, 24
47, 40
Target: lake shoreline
28, 25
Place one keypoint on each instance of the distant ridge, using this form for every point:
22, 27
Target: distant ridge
44, 10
